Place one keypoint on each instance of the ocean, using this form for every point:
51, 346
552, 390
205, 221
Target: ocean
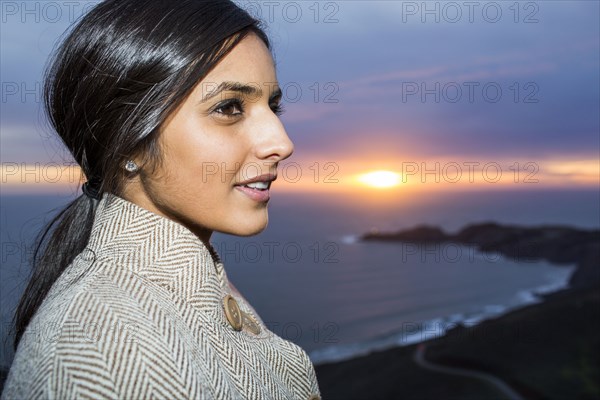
312, 281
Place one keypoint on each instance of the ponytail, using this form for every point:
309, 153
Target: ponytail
55, 249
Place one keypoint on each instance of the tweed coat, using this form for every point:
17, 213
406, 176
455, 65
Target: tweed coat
140, 314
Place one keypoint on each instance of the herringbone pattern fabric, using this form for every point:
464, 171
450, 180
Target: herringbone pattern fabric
139, 315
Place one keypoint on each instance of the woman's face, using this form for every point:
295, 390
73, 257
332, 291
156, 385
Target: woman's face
227, 132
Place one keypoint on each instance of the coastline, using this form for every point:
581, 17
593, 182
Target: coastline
542, 351
557, 244
439, 326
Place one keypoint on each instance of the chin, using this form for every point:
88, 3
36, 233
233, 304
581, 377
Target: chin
250, 226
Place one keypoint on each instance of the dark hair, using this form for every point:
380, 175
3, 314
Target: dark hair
114, 80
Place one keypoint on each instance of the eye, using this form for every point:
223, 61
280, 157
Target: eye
276, 106
230, 108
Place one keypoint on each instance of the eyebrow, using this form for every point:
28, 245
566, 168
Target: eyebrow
237, 87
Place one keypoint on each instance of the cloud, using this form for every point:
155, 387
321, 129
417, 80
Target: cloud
373, 53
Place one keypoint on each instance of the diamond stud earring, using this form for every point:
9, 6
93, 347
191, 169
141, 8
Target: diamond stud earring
131, 166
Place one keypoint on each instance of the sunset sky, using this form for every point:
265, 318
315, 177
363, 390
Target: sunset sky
442, 94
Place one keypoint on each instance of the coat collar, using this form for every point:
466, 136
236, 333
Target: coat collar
158, 249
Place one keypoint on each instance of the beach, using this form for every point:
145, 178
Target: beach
547, 350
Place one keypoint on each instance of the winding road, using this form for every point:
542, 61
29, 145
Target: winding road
419, 358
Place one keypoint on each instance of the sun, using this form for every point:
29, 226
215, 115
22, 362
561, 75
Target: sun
380, 179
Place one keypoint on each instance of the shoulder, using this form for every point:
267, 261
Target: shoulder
89, 331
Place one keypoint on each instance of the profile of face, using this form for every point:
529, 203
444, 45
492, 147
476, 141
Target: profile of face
226, 133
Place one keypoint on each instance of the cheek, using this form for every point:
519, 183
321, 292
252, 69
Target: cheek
204, 156
188, 152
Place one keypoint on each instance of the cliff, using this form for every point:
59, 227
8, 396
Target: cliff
553, 243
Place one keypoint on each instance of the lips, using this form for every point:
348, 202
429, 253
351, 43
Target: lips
257, 188
261, 182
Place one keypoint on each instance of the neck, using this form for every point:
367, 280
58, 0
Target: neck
141, 198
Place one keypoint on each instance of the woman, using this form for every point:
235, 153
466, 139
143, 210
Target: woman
170, 108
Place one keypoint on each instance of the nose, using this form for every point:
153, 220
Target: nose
273, 142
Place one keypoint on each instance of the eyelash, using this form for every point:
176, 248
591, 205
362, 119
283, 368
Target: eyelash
239, 104
278, 108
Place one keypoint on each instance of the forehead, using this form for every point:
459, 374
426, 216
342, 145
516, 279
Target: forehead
249, 61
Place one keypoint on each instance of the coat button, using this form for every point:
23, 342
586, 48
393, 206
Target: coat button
232, 312
250, 323
314, 397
